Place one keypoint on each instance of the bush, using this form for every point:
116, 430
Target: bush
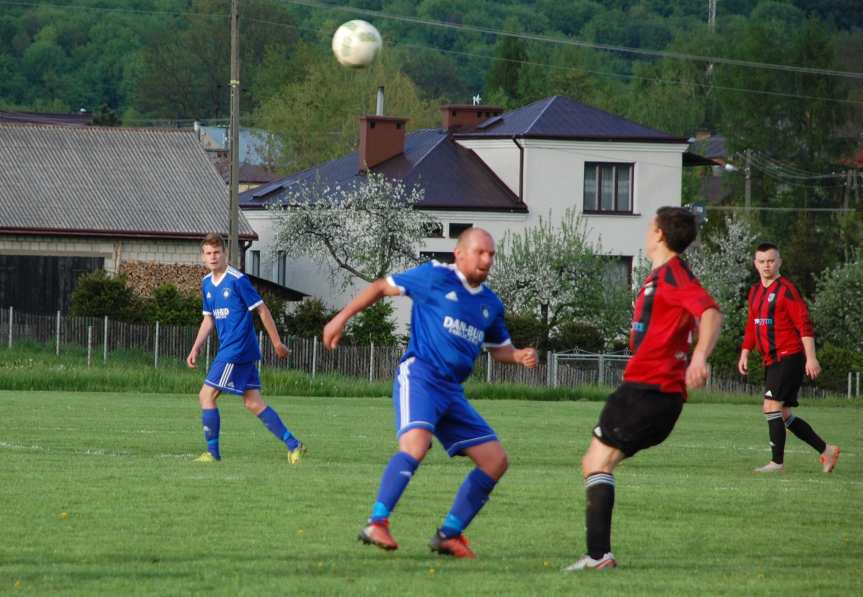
526, 330
577, 334
308, 319
99, 294
838, 309
836, 362
171, 307
375, 324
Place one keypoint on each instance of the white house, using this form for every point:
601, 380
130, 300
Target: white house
500, 171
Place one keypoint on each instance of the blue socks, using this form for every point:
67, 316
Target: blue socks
395, 479
471, 497
271, 421
211, 422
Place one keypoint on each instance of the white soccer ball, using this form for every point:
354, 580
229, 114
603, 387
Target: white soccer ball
356, 44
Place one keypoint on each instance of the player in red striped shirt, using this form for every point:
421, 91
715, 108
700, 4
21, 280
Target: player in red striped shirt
642, 412
778, 326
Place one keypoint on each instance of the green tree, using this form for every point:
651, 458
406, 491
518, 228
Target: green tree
317, 116
308, 319
98, 294
375, 324
169, 306
838, 308
503, 77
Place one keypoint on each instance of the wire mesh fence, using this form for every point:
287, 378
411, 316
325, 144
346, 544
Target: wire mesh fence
103, 338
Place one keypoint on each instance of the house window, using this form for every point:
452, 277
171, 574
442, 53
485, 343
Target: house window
255, 265
618, 270
441, 256
433, 230
281, 268
607, 188
455, 229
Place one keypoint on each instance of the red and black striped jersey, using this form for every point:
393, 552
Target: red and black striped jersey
778, 318
666, 311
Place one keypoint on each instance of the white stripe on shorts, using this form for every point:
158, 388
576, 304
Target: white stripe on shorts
405, 393
226, 374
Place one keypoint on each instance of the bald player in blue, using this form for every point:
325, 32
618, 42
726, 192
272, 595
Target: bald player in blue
453, 317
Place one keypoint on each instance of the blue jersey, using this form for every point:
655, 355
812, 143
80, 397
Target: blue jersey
451, 321
230, 303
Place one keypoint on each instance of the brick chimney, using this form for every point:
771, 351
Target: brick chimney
466, 116
381, 138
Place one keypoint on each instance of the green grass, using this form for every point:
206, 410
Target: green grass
99, 496
34, 367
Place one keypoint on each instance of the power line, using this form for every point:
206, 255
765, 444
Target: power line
782, 209
636, 77
574, 42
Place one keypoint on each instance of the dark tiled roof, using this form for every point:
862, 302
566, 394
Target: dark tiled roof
70, 118
453, 177
559, 117
249, 173
109, 182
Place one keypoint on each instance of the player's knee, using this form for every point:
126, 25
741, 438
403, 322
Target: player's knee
254, 406
502, 464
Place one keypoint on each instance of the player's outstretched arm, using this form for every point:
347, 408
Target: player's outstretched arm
708, 334
200, 339
367, 297
526, 357
270, 325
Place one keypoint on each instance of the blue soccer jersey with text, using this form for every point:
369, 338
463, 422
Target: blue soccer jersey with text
231, 303
451, 321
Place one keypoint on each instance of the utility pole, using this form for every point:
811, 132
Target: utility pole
748, 172
234, 182
711, 15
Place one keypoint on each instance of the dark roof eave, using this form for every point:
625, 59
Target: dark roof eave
682, 140
514, 209
114, 233
691, 159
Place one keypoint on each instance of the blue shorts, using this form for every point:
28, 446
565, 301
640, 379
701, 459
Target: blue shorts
235, 378
423, 400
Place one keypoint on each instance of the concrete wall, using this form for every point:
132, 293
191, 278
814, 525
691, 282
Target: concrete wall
115, 251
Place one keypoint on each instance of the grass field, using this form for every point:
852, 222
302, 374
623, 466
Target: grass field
98, 496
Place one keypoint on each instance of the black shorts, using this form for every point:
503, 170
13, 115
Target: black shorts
783, 379
637, 417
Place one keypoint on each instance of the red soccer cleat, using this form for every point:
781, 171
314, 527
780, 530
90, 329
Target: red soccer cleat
829, 458
457, 547
378, 533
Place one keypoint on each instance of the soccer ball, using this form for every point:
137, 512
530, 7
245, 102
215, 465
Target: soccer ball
356, 44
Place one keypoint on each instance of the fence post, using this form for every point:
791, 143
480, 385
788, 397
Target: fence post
556, 382
156, 348
601, 364
57, 343
105, 342
89, 344
488, 362
371, 361
858, 384
314, 354
207, 359
849, 385
548, 367
260, 349
10, 326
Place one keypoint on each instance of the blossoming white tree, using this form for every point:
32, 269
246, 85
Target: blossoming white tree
555, 273
364, 230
